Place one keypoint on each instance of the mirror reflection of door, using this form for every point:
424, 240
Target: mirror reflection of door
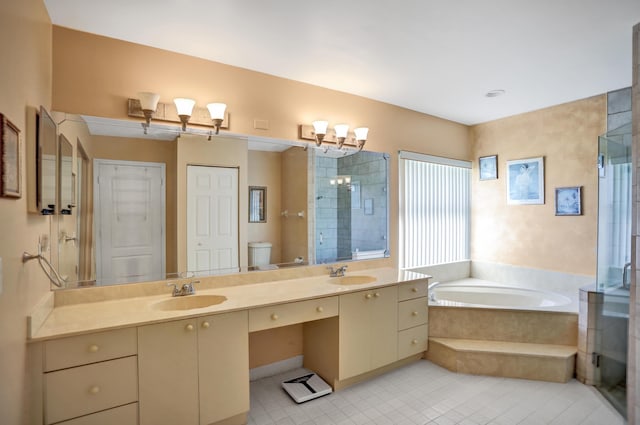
131, 226
212, 219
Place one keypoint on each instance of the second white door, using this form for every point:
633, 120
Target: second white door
212, 219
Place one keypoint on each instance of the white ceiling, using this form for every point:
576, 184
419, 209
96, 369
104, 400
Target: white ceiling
437, 57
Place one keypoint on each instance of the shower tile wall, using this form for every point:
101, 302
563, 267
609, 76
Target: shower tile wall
342, 224
368, 227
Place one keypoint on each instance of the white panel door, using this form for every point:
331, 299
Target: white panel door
129, 203
212, 218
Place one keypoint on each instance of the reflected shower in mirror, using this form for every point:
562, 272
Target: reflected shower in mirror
307, 220
46, 160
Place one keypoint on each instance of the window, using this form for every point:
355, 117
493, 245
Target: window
434, 210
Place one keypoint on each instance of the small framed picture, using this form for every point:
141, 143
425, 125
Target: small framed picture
569, 200
525, 181
488, 166
10, 184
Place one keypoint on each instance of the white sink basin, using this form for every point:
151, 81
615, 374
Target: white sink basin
352, 280
189, 302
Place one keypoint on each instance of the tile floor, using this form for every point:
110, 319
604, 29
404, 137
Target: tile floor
423, 393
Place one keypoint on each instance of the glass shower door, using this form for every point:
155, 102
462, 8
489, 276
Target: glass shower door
614, 267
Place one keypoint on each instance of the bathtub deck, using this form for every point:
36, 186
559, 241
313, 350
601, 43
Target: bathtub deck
542, 362
539, 345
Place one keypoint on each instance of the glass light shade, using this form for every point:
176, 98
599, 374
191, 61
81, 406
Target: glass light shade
341, 130
148, 100
320, 127
361, 133
216, 110
339, 181
347, 180
184, 106
332, 181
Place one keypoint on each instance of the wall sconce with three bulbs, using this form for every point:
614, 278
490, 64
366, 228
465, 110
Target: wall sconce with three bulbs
340, 134
148, 107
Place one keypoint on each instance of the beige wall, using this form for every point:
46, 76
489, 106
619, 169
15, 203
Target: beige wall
25, 29
531, 235
264, 170
294, 200
112, 71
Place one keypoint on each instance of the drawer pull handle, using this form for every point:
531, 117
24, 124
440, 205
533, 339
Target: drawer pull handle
368, 296
93, 348
319, 309
414, 289
94, 390
205, 325
274, 316
377, 294
189, 327
414, 341
414, 313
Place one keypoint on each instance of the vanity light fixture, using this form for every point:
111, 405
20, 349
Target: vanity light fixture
216, 110
339, 135
149, 104
361, 136
320, 130
182, 110
184, 107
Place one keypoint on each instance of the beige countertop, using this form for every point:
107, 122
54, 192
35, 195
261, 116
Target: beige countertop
67, 320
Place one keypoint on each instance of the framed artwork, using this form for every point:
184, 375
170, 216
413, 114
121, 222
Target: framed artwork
257, 204
569, 200
488, 166
10, 184
525, 181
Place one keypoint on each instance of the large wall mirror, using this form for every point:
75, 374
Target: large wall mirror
46, 161
145, 208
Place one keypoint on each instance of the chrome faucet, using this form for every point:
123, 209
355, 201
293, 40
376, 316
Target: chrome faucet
339, 272
625, 276
185, 289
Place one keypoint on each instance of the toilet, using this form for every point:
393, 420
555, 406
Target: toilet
259, 254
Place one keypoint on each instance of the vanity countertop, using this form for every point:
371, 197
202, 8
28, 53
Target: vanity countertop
98, 316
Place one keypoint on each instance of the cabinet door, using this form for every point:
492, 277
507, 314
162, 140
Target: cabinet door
384, 327
168, 373
368, 330
223, 354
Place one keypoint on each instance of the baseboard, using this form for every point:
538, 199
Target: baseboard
275, 368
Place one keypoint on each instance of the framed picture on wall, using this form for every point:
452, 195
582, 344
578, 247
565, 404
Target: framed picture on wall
569, 200
10, 185
488, 166
525, 181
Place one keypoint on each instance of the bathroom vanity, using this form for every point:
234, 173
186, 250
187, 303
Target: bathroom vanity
135, 360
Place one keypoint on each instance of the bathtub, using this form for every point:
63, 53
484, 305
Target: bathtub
480, 293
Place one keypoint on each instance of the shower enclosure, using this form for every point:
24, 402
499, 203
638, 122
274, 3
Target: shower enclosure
614, 267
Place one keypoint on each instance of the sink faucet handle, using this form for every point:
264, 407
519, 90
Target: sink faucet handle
176, 291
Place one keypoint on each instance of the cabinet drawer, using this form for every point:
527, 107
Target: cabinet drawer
412, 341
410, 290
84, 349
123, 415
290, 313
412, 313
78, 391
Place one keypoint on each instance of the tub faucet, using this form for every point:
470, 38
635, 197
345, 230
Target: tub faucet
625, 276
186, 289
339, 272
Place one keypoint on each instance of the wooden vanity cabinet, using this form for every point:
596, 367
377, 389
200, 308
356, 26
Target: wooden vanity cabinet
194, 371
368, 331
91, 379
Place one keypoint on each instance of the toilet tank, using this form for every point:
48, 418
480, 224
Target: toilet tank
259, 253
